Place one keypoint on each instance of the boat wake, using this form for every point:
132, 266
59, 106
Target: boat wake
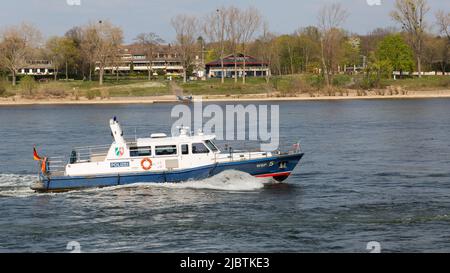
16, 185
226, 181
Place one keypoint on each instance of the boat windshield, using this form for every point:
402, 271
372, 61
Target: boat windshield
211, 145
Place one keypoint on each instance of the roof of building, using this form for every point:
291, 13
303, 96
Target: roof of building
238, 60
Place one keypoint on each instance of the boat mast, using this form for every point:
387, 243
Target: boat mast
116, 131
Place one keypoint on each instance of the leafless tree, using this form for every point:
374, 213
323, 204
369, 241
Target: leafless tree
234, 34
103, 41
215, 29
149, 43
443, 21
411, 15
88, 47
186, 43
249, 23
330, 20
266, 48
16, 47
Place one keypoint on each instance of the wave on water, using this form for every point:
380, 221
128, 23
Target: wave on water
227, 181
17, 185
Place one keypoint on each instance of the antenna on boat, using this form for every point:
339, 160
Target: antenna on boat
184, 130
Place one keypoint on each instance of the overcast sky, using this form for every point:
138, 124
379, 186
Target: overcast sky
55, 17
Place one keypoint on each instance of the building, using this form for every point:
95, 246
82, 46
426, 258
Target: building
132, 58
253, 67
37, 68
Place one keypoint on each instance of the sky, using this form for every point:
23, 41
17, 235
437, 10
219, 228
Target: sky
55, 17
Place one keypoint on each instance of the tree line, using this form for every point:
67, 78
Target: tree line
325, 48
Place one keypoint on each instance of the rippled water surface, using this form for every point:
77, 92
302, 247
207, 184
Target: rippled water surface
373, 171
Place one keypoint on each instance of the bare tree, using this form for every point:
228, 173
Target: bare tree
443, 21
186, 32
249, 23
16, 47
266, 49
411, 15
88, 47
149, 43
215, 29
330, 19
234, 35
103, 39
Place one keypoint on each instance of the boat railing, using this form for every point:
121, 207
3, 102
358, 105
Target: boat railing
245, 154
56, 165
89, 153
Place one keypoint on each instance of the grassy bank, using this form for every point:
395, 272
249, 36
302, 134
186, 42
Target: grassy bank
282, 86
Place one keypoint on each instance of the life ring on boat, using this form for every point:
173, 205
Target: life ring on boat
146, 164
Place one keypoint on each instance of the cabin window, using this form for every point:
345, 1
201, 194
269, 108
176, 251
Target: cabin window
211, 146
185, 149
199, 148
166, 150
140, 151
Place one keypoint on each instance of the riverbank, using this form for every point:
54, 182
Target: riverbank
352, 95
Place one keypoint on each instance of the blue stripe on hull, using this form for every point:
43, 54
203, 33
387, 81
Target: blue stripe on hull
255, 167
67, 183
262, 166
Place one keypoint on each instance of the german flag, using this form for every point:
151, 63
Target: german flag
35, 154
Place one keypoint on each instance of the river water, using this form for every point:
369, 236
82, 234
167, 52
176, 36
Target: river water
375, 170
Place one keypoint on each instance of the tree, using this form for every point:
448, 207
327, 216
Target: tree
411, 15
149, 43
101, 42
78, 63
370, 41
62, 51
396, 52
437, 53
234, 35
16, 47
215, 29
186, 32
309, 46
249, 23
330, 19
443, 22
265, 48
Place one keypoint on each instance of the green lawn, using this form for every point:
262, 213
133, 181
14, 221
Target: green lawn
289, 84
424, 83
215, 87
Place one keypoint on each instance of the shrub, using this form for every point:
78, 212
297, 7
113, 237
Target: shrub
104, 94
28, 84
2, 89
341, 80
91, 94
444, 81
316, 81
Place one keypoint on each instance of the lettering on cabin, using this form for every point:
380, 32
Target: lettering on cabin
119, 164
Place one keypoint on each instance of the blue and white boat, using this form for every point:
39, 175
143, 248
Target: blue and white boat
156, 159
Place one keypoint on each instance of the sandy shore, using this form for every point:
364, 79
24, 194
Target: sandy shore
12, 101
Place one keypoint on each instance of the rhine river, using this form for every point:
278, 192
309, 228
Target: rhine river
375, 170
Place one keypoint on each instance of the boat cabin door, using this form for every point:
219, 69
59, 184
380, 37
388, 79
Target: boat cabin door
185, 158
